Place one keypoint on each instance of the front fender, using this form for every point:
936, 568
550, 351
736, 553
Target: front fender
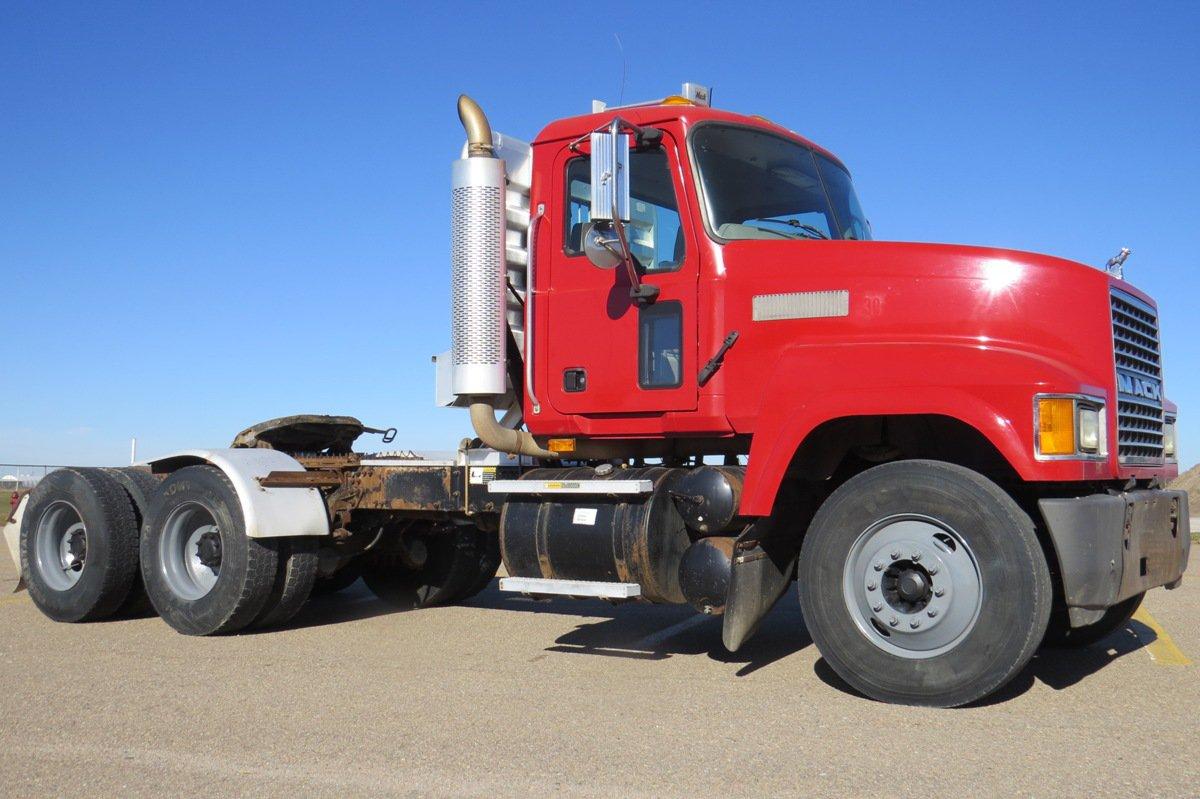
268, 512
991, 389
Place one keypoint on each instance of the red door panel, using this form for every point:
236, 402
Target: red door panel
634, 359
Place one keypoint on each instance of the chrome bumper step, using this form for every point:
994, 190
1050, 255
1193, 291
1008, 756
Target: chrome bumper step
542, 586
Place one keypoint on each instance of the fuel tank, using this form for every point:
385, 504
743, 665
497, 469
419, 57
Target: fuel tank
629, 538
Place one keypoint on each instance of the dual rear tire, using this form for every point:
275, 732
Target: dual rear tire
203, 574
433, 564
102, 542
79, 545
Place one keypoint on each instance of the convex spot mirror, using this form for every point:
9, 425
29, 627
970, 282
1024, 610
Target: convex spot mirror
601, 245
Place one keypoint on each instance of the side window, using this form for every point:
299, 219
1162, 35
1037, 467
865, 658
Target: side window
660, 345
655, 231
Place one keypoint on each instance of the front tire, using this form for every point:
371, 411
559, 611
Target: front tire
923, 583
203, 574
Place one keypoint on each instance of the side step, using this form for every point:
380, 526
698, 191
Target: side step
539, 585
595, 487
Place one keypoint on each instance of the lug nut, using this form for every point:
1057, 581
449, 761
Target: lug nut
932, 570
871, 586
893, 621
896, 555
915, 623
939, 592
916, 556
878, 606
879, 566
932, 613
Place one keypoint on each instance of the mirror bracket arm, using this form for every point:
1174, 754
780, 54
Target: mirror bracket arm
639, 292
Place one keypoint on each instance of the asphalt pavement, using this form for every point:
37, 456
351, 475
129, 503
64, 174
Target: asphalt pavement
505, 696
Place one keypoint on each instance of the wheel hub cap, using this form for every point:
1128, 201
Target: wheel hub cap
60, 546
190, 551
912, 586
208, 549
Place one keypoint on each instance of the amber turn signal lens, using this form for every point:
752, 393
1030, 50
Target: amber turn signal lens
561, 445
1056, 426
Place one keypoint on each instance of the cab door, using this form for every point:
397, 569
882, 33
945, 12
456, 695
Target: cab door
607, 353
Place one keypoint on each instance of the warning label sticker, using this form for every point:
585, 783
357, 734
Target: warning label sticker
482, 474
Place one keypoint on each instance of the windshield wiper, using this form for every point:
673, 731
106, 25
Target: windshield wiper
812, 232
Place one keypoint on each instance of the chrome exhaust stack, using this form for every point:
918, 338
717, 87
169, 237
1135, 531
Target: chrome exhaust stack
479, 342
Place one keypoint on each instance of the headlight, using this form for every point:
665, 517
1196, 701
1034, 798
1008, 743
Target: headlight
1169, 440
1089, 430
1069, 426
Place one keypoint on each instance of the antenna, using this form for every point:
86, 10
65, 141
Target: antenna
621, 93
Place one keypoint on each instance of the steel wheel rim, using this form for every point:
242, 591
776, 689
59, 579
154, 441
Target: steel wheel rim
912, 586
60, 546
185, 555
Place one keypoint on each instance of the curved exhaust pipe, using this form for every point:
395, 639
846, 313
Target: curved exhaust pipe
504, 439
479, 132
483, 408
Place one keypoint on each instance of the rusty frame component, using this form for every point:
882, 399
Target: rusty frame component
424, 489
300, 480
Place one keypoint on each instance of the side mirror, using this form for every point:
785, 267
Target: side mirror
601, 246
610, 176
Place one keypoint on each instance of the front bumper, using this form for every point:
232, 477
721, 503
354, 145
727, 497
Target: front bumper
1113, 546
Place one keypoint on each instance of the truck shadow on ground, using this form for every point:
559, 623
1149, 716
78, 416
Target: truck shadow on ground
626, 630
656, 632
1057, 668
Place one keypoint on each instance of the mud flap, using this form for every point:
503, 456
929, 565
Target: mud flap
12, 537
761, 572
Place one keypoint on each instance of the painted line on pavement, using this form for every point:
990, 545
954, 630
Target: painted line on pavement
1162, 649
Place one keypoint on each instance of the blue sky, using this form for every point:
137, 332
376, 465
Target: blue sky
213, 214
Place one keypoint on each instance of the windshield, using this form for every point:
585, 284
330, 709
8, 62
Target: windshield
757, 185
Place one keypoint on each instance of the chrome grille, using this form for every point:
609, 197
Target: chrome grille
1138, 364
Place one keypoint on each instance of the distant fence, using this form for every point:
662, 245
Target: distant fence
23, 476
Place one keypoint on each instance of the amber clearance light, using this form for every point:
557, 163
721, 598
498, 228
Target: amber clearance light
1056, 426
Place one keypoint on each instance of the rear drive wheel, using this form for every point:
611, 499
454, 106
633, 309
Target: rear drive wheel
923, 583
487, 563
293, 581
428, 564
1060, 633
340, 580
78, 545
204, 575
140, 486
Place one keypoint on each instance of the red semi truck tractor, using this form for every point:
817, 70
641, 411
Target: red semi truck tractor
694, 378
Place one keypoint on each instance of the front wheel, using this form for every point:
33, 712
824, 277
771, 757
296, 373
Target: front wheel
923, 583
